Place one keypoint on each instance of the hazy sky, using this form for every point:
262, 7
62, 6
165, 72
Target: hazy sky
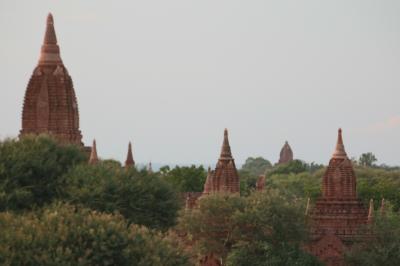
170, 75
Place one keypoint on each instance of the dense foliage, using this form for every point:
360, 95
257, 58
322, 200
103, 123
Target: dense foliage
185, 179
141, 198
261, 228
67, 235
382, 245
31, 171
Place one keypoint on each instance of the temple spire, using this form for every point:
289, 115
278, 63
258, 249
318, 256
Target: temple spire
226, 149
150, 168
129, 158
93, 154
307, 207
339, 152
382, 210
371, 210
50, 53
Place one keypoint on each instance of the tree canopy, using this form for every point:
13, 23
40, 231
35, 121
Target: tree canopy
142, 198
32, 169
68, 235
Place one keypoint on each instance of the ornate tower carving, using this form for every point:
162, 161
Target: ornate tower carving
225, 177
338, 214
286, 154
50, 104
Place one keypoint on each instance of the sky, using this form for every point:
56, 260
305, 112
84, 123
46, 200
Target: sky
170, 75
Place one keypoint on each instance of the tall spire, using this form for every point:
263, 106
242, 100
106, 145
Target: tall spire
129, 158
371, 210
150, 168
93, 154
226, 149
339, 152
50, 53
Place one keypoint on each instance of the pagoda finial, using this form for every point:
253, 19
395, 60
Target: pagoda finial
339, 152
50, 54
93, 154
382, 210
129, 158
226, 149
371, 210
307, 206
150, 168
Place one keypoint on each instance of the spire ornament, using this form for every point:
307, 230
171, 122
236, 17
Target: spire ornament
93, 154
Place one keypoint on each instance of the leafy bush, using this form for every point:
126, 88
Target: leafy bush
142, 199
66, 235
185, 179
31, 170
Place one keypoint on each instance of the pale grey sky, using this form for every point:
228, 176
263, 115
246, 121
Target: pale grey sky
170, 75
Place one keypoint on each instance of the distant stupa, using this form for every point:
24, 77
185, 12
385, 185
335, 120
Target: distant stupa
286, 154
50, 104
225, 177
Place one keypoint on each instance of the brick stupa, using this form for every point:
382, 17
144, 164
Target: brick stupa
50, 104
338, 214
225, 177
286, 154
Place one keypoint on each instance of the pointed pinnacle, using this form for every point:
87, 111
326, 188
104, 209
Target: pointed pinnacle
50, 53
129, 158
371, 210
226, 149
339, 152
93, 154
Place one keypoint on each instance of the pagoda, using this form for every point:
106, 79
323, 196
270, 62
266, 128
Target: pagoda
286, 154
338, 214
225, 177
50, 104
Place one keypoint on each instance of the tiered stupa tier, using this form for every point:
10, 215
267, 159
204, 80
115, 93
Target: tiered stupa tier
50, 104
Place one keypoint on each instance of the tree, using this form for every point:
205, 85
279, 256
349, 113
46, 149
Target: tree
382, 246
260, 229
212, 224
295, 167
32, 169
68, 235
141, 198
271, 231
367, 159
256, 166
185, 179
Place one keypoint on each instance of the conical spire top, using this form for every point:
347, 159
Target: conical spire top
371, 210
150, 168
93, 154
129, 158
339, 152
50, 54
226, 149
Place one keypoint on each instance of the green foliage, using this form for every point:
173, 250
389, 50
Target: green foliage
267, 226
212, 224
185, 179
367, 159
271, 230
31, 170
382, 247
377, 183
256, 166
295, 167
141, 198
301, 185
67, 235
